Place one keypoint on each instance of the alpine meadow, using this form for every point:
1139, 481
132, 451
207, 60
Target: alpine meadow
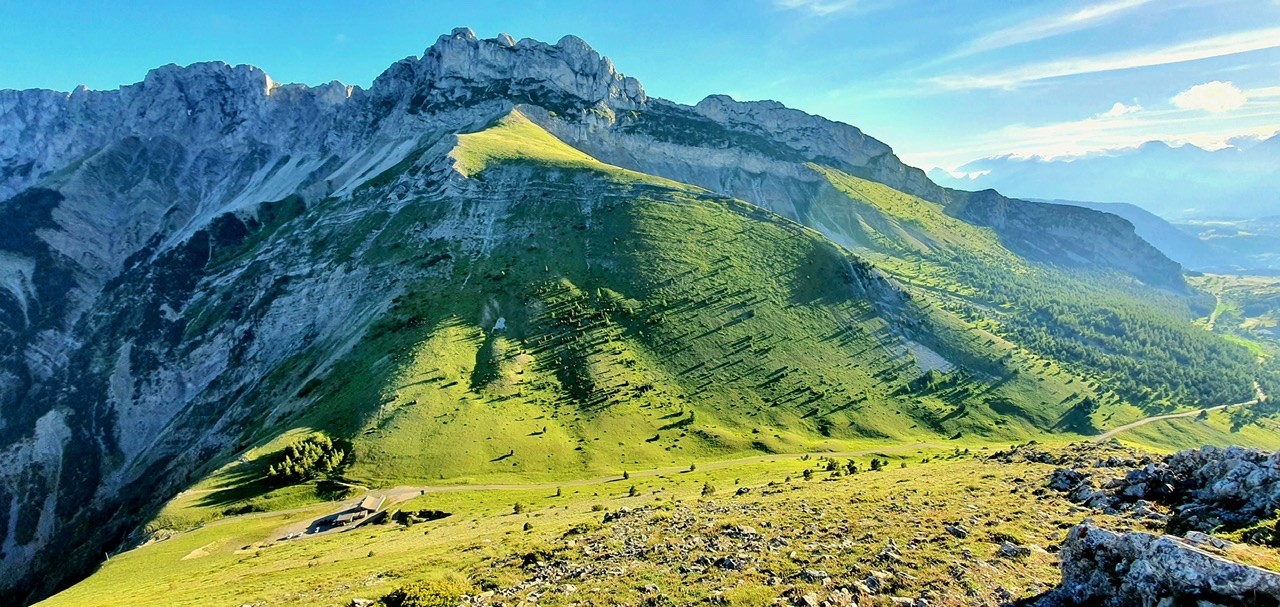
504, 329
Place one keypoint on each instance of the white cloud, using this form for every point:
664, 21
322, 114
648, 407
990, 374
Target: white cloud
817, 7
1218, 46
1120, 109
1050, 26
1213, 97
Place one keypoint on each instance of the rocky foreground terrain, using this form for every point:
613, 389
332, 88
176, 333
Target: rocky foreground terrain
1196, 492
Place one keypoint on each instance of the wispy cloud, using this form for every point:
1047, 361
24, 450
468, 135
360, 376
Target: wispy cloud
1268, 92
1122, 126
817, 7
1218, 46
1049, 26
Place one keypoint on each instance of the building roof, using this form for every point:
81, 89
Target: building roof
371, 503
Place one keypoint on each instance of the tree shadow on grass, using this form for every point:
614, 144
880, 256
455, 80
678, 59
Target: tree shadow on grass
1079, 419
244, 481
248, 481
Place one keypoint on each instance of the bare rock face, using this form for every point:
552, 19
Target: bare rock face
806, 133
1233, 486
1068, 236
1101, 567
1205, 488
205, 108
460, 69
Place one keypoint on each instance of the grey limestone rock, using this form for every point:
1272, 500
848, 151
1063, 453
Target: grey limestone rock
1101, 567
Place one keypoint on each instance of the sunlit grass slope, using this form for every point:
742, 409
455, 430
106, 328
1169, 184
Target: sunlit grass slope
583, 319
1136, 345
576, 319
516, 139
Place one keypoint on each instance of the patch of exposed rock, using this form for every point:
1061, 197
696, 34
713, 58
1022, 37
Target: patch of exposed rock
1101, 567
1204, 488
1110, 454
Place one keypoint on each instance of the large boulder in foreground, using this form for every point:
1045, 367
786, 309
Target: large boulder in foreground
1101, 567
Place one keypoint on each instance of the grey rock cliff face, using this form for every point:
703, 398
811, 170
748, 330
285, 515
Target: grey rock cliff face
211, 107
461, 69
1069, 236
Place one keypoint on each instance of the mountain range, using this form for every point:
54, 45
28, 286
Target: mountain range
1240, 181
505, 260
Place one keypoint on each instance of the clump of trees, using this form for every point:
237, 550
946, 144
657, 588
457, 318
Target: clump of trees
413, 517
306, 459
441, 593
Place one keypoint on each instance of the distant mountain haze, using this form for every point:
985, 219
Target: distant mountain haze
1241, 181
1178, 245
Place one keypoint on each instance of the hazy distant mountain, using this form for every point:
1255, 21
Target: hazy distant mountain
1235, 246
1242, 181
1250, 244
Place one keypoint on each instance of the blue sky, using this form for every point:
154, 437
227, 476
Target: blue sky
942, 82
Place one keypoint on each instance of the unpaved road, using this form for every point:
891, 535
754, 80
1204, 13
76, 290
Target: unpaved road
1155, 418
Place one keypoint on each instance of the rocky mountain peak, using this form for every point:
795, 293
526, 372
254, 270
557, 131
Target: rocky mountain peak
202, 98
461, 68
813, 135
208, 77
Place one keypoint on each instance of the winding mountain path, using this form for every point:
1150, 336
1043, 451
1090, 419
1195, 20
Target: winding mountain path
1109, 434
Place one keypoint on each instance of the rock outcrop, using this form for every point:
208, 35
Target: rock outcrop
1101, 567
1205, 489
461, 69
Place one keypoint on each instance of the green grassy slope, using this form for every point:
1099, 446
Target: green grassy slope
1220, 428
1135, 344
1247, 309
655, 324
483, 541
643, 323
